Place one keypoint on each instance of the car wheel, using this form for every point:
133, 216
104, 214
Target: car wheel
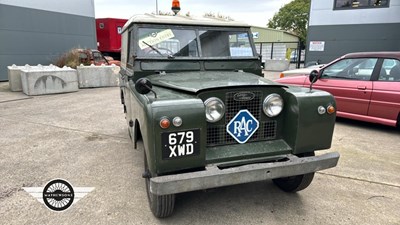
295, 183
161, 205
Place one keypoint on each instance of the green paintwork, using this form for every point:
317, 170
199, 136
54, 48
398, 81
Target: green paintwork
249, 151
182, 85
195, 82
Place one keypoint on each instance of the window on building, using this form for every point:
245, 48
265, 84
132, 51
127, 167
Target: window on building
360, 4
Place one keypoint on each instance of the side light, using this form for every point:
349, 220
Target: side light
321, 110
331, 109
165, 123
273, 105
177, 121
281, 75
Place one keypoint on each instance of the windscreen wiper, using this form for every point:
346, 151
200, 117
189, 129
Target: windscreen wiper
154, 48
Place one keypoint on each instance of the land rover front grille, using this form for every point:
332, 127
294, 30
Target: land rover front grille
217, 135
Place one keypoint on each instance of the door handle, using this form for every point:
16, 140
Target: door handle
361, 87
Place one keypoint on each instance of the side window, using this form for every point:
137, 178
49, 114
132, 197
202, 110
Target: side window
83, 58
351, 69
390, 70
360, 4
124, 50
130, 49
97, 57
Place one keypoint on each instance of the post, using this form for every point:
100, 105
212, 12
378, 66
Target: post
272, 50
298, 55
156, 7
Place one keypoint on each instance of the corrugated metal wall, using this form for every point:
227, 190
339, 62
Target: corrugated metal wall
272, 35
351, 30
30, 35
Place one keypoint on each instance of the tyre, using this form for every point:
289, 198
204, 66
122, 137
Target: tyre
295, 183
161, 205
122, 97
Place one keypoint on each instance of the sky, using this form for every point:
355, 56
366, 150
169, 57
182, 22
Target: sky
253, 12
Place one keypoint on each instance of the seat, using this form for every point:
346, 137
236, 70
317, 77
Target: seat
383, 75
395, 73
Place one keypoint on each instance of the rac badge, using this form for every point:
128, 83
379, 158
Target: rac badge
242, 126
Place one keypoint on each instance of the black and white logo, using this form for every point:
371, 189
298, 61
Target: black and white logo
58, 195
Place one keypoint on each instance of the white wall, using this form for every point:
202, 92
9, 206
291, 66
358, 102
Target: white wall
322, 13
74, 7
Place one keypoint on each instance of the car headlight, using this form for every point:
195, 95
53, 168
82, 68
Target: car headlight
215, 109
273, 105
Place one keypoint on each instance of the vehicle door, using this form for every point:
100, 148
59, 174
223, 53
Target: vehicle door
385, 99
349, 80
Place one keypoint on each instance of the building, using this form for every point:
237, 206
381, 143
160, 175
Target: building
337, 27
37, 32
274, 44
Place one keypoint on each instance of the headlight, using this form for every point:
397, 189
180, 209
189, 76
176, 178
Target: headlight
215, 109
273, 105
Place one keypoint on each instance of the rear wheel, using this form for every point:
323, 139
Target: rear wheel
295, 183
161, 205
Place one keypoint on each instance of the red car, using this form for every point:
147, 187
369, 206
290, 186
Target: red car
89, 56
366, 86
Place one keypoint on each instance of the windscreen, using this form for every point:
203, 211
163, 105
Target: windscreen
170, 42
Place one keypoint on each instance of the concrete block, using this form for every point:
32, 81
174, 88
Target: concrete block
277, 64
14, 77
98, 76
42, 80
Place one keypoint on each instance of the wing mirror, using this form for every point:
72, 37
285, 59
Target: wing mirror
143, 86
314, 75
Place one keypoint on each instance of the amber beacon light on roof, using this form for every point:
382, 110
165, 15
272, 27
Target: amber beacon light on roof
176, 6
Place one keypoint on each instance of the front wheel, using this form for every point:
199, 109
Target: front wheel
295, 183
161, 205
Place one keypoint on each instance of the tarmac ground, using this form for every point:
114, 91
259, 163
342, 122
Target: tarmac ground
82, 137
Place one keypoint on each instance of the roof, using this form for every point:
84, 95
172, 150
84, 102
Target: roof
373, 54
182, 20
267, 28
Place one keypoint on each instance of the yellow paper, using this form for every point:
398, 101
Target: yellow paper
156, 38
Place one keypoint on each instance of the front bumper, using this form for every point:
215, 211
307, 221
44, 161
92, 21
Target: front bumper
214, 177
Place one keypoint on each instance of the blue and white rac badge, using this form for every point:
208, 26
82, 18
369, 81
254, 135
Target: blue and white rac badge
242, 126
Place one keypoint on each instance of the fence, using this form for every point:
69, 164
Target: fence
281, 51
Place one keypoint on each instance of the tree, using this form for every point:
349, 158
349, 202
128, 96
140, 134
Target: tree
292, 17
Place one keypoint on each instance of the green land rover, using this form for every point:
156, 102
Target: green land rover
195, 97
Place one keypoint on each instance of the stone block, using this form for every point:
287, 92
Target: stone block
98, 76
277, 64
42, 80
14, 77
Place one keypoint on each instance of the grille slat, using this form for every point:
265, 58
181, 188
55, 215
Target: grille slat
217, 135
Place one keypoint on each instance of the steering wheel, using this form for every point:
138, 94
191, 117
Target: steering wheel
163, 50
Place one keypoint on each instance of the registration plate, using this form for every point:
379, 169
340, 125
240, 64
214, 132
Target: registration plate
180, 144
